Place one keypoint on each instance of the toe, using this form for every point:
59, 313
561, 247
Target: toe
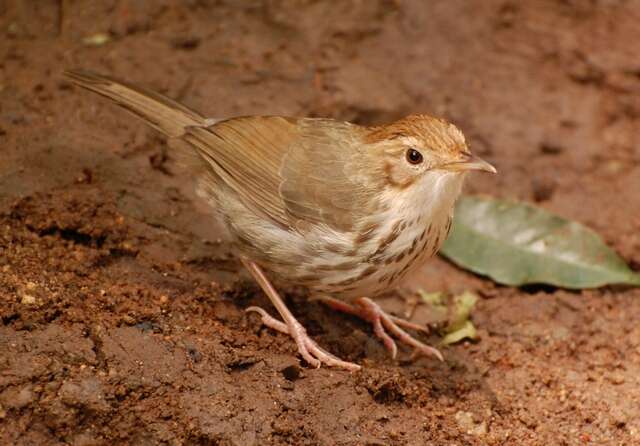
327, 358
269, 320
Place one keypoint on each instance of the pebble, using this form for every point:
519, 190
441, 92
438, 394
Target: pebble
616, 378
619, 416
97, 39
17, 399
543, 188
467, 424
613, 167
551, 148
27, 295
128, 319
87, 393
27, 299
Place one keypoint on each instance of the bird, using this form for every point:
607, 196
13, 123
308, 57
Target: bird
344, 210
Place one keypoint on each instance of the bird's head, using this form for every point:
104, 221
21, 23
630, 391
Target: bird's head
420, 146
422, 161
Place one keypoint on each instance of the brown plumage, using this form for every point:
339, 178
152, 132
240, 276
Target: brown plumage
344, 210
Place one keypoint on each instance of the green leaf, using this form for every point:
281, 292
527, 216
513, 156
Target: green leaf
438, 307
459, 326
452, 314
517, 244
462, 306
435, 298
466, 331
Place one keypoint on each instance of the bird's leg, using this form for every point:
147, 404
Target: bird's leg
307, 347
368, 310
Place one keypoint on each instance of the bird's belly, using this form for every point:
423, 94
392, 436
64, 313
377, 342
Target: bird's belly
349, 286
381, 270
343, 265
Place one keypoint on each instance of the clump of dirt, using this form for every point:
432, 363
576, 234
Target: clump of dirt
122, 310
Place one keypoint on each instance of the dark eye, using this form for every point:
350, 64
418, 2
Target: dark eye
413, 156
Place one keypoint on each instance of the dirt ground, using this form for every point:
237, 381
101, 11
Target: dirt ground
121, 311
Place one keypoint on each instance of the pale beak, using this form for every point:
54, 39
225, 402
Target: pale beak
470, 162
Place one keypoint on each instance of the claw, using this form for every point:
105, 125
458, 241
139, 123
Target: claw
382, 322
308, 349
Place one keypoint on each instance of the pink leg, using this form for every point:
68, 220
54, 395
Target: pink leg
368, 310
308, 349
350, 309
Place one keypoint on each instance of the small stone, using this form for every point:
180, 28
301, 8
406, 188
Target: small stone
616, 378
28, 299
560, 333
87, 393
194, 354
465, 421
24, 398
287, 385
291, 373
85, 439
17, 399
619, 416
467, 424
550, 148
13, 30
186, 42
613, 167
543, 189
481, 429
97, 39
527, 419
85, 177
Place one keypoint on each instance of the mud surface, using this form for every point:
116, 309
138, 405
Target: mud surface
121, 312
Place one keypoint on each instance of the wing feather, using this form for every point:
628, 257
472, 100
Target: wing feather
246, 154
295, 171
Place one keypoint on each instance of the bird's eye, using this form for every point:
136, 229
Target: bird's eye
413, 156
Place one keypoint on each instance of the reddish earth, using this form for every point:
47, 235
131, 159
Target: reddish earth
121, 312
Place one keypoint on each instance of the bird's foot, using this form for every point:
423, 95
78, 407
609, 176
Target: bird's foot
368, 310
307, 347
310, 351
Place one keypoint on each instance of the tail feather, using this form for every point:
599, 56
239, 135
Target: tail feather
160, 112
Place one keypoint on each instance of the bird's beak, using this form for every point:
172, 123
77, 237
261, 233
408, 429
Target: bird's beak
470, 162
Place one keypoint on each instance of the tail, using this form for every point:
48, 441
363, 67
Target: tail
160, 112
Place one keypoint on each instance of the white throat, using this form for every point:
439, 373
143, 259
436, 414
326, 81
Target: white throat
432, 199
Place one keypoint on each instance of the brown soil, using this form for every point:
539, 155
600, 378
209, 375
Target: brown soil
121, 312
